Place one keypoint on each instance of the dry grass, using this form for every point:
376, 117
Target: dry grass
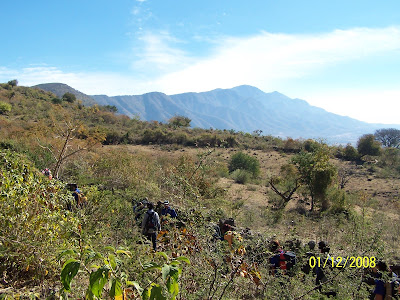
248, 204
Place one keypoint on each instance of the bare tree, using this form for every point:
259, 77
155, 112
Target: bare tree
285, 195
344, 175
70, 140
285, 185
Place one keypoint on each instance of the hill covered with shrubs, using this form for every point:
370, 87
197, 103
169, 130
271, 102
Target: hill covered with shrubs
289, 190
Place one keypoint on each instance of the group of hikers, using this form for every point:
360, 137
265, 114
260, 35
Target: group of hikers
151, 222
281, 262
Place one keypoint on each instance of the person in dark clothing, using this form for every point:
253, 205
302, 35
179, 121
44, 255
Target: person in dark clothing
321, 278
151, 225
277, 261
167, 210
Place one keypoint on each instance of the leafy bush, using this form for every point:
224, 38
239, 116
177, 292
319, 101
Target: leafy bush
69, 97
350, 153
56, 100
245, 162
338, 200
367, 145
34, 223
241, 176
5, 107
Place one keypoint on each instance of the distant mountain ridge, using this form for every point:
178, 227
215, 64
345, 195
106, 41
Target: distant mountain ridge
244, 108
59, 89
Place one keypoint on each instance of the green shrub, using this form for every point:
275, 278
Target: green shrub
245, 162
337, 199
241, 176
5, 107
56, 100
367, 145
350, 153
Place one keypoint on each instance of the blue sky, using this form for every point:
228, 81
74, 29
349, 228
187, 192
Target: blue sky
343, 56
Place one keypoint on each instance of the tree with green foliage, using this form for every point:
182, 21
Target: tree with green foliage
245, 162
13, 83
179, 121
350, 153
56, 100
316, 174
69, 97
4, 107
110, 108
367, 145
388, 137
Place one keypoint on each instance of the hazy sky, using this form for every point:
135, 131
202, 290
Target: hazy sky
341, 55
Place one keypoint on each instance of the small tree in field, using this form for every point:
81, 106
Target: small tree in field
69, 97
68, 142
179, 121
285, 185
13, 83
316, 174
367, 145
245, 162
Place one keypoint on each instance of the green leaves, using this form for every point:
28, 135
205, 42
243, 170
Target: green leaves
69, 271
170, 275
183, 258
151, 266
116, 288
153, 293
97, 280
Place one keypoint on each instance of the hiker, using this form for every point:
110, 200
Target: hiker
321, 277
80, 199
306, 268
140, 208
281, 260
226, 225
167, 210
151, 225
383, 287
47, 172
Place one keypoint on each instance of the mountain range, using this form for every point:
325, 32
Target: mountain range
243, 108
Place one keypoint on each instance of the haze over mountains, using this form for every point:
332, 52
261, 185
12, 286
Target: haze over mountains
243, 108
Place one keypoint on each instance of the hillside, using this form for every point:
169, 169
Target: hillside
51, 247
245, 108
59, 89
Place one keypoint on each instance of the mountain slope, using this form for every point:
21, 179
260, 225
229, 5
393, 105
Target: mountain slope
59, 89
245, 108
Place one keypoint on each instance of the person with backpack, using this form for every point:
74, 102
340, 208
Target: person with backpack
282, 261
151, 225
80, 199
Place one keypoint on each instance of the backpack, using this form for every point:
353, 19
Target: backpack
81, 199
290, 259
151, 222
285, 260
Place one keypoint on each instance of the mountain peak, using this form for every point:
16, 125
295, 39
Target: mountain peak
247, 90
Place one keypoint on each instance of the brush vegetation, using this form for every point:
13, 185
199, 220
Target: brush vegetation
285, 189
